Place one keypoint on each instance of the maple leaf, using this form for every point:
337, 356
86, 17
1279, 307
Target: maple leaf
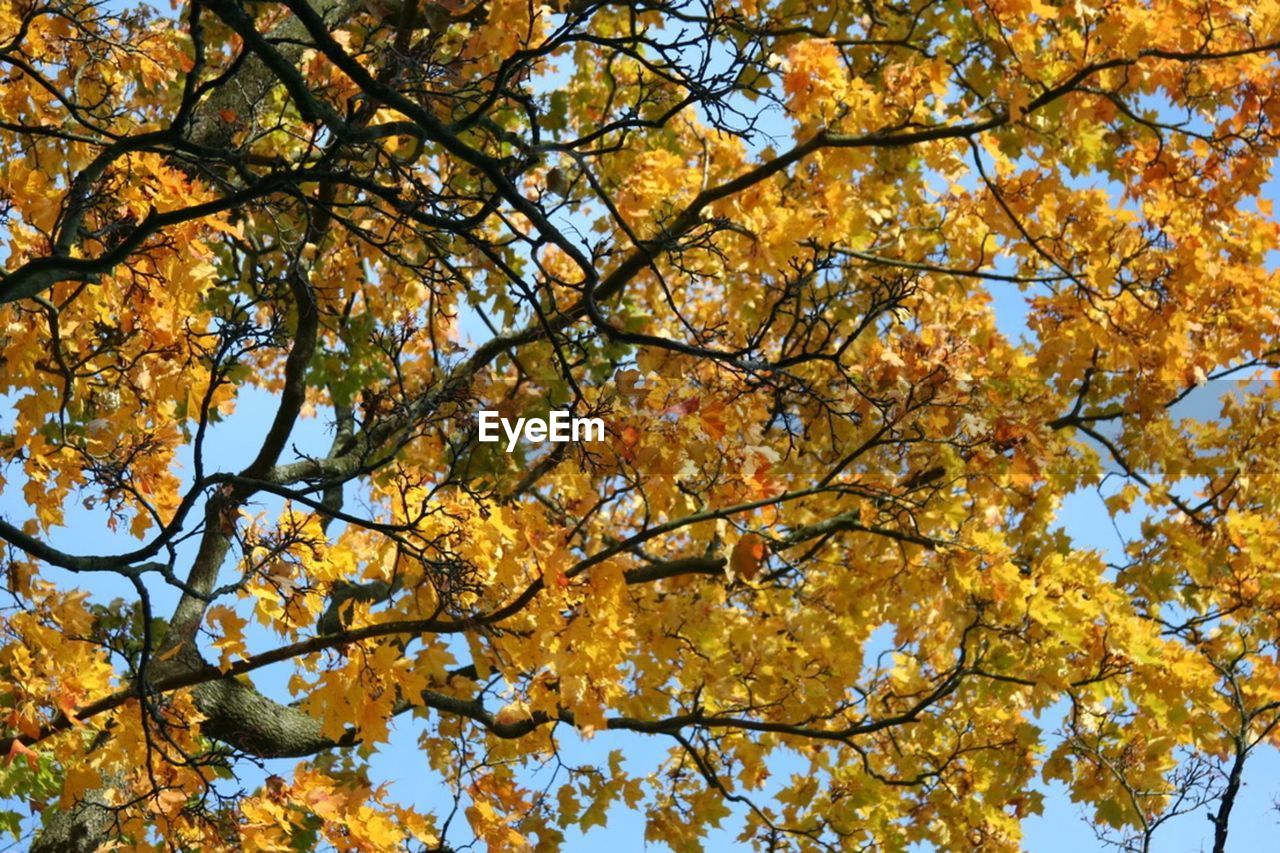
747, 556
18, 748
885, 294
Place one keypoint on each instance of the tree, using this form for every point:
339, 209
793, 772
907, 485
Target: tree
760, 240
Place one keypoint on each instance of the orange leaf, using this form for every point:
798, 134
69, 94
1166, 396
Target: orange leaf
747, 556
16, 748
684, 407
67, 705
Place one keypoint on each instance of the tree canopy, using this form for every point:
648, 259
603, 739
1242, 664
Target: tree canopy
816, 564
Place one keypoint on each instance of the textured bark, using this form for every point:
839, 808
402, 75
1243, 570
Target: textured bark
244, 95
236, 713
214, 547
81, 829
240, 716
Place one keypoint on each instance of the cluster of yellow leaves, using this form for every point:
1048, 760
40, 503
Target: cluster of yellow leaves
1141, 284
119, 373
40, 685
348, 814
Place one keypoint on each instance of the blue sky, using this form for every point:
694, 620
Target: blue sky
1062, 828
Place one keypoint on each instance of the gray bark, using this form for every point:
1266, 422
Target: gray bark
81, 829
236, 713
240, 716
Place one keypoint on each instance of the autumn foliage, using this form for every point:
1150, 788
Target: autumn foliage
814, 585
